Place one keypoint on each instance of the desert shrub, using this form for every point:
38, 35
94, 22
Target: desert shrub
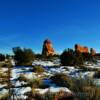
85, 89
66, 68
49, 96
70, 58
61, 95
67, 58
87, 56
85, 68
35, 96
6, 65
38, 56
80, 83
36, 83
43, 86
3, 75
23, 57
4, 96
61, 79
78, 58
88, 93
97, 74
22, 78
82, 90
2, 57
1, 65
93, 93
39, 69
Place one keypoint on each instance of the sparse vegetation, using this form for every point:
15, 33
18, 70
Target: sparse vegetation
82, 89
4, 96
2, 57
22, 78
36, 83
23, 57
61, 95
70, 58
61, 79
97, 74
39, 69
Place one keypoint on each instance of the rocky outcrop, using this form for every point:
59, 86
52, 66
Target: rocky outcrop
47, 48
81, 49
78, 48
84, 49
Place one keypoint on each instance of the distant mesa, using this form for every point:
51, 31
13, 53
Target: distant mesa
47, 49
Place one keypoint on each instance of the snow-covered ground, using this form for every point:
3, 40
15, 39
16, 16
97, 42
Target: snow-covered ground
3, 92
51, 68
53, 90
46, 63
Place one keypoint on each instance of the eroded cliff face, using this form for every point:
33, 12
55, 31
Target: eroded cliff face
47, 48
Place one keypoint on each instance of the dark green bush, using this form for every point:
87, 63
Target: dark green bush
97, 74
2, 57
70, 58
23, 57
67, 58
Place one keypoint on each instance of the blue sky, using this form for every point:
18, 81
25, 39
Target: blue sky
26, 23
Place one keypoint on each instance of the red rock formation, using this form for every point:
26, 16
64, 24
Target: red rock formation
81, 49
78, 48
47, 48
93, 52
85, 49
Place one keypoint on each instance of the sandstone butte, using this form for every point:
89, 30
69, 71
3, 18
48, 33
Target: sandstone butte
47, 48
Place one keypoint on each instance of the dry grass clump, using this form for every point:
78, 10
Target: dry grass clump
50, 96
93, 93
97, 74
81, 90
23, 78
61, 79
39, 69
3, 78
84, 89
3, 75
4, 96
